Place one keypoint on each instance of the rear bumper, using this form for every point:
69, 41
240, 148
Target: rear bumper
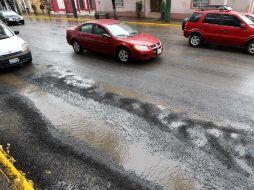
149, 54
23, 57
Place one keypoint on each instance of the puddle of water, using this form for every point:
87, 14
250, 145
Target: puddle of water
134, 95
106, 136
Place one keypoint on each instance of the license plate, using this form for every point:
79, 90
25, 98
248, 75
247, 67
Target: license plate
159, 51
13, 61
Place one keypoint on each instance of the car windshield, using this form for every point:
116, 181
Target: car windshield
247, 20
122, 30
4, 32
250, 17
9, 13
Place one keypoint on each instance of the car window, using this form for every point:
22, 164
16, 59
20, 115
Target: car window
247, 20
87, 28
122, 30
250, 17
212, 18
97, 30
230, 20
195, 17
9, 13
4, 32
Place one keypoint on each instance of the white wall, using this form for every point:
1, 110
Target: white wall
180, 7
129, 5
240, 5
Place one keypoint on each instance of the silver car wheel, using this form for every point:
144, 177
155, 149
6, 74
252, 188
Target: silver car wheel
195, 40
251, 48
76, 47
123, 56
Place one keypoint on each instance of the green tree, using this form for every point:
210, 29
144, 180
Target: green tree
163, 9
139, 7
45, 4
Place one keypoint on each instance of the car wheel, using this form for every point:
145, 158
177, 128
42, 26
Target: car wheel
195, 40
76, 47
250, 48
23, 22
123, 55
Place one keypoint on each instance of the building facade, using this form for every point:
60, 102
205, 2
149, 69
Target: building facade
83, 7
127, 8
179, 8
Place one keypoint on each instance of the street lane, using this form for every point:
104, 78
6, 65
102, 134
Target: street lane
212, 82
142, 122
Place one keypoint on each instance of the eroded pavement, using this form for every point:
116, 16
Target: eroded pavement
72, 132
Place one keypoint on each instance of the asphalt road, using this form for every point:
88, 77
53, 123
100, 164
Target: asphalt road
181, 121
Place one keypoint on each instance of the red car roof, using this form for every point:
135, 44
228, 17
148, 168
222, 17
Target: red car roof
217, 11
104, 21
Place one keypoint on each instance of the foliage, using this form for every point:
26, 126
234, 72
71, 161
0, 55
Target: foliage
45, 4
163, 7
139, 6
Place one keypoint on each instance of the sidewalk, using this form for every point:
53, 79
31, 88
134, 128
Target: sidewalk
10, 177
142, 21
5, 183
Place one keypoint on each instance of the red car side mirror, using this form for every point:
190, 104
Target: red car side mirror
243, 26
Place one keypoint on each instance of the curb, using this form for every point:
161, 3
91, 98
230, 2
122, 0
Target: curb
16, 177
87, 19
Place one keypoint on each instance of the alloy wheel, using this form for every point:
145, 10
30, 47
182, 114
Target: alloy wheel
195, 40
123, 56
251, 48
76, 47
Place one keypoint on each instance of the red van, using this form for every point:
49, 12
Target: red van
220, 26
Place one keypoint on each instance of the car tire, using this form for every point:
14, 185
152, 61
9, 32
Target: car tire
250, 48
124, 55
195, 40
23, 22
77, 47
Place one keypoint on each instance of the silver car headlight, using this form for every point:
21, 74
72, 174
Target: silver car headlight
25, 47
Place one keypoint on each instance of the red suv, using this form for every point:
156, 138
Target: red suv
220, 26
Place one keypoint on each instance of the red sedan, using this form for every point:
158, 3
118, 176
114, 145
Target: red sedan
114, 38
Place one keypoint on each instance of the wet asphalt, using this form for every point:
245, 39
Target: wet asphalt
181, 121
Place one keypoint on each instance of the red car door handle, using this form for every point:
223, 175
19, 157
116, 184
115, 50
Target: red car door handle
223, 30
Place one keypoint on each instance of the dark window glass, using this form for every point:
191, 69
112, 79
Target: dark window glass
81, 5
213, 18
195, 17
230, 20
92, 5
97, 30
199, 3
87, 28
250, 17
